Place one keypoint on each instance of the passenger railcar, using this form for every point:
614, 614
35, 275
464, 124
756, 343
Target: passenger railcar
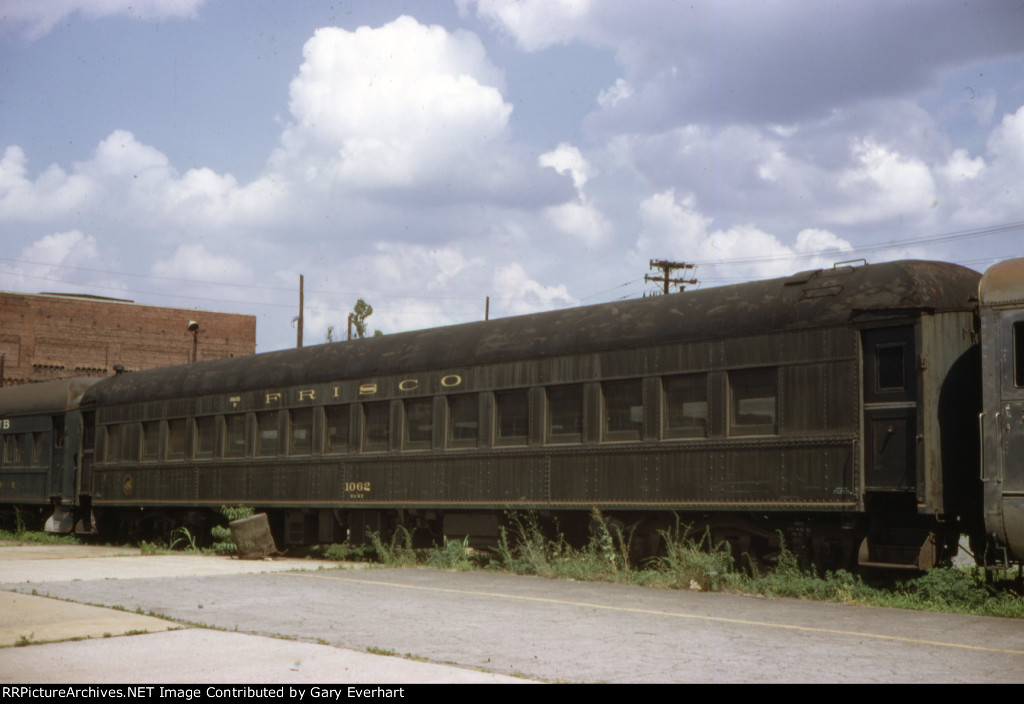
41, 434
837, 406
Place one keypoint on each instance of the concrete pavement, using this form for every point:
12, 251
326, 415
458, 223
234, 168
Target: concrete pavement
51, 641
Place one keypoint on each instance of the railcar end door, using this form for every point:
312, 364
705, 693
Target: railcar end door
890, 409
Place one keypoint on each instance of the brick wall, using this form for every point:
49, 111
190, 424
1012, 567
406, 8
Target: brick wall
51, 336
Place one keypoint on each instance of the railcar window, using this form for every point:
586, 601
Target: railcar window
113, 453
463, 420
623, 409
686, 406
206, 436
300, 431
37, 449
234, 435
512, 409
1018, 354
151, 440
132, 439
267, 433
565, 413
336, 428
177, 438
89, 434
12, 449
419, 422
754, 401
890, 368
376, 426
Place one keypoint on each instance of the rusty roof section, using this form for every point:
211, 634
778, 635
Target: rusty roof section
1002, 284
811, 299
43, 397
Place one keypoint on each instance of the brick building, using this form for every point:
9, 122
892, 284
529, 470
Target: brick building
52, 336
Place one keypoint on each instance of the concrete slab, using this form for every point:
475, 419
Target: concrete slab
25, 619
48, 640
20, 564
199, 656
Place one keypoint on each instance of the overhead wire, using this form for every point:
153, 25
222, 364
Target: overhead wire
926, 240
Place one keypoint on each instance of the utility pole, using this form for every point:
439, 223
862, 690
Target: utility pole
298, 335
666, 268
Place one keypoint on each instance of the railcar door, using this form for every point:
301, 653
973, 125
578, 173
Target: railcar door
890, 410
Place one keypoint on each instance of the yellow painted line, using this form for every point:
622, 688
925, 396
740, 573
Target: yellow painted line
670, 614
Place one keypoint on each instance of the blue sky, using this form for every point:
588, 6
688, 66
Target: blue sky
424, 156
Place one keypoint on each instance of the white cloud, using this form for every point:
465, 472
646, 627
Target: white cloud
195, 262
961, 167
128, 180
519, 294
610, 97
753, 62
674, 228
41, 16
44, 262
579, 219
1007, 140
534, 24
884, 184
397, 105
671, 226
53, 194
567, 158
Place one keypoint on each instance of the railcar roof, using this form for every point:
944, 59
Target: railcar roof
43, 397
807, 300
1003, 284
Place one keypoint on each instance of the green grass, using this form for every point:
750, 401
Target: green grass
37, 536
689, 562
696, 563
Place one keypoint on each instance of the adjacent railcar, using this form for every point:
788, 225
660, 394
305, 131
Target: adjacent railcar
41, 435
839, 406
1001, 309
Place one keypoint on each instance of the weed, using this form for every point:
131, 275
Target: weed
397, 552
454, 555
182, 536
37, 536
694, 564
348, 553
528, 551
148, 548
223, 543
381, 651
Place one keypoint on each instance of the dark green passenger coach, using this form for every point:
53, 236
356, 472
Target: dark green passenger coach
837, 406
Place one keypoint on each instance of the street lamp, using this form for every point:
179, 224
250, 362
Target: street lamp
193, 327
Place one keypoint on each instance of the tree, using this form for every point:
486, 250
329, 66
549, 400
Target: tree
356, 323
357, 319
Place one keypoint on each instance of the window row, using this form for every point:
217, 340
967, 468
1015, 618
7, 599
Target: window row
23, 450
553, 415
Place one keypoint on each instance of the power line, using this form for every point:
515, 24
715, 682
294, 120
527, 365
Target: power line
893, 244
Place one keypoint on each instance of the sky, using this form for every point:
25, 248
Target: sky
429, 156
